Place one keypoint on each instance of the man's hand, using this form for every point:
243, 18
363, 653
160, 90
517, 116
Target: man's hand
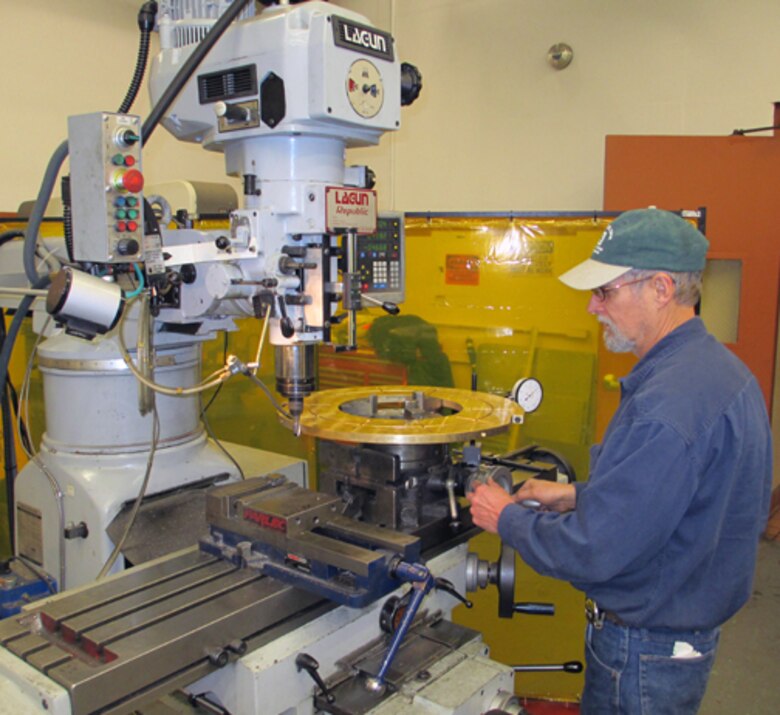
551, 495
487, 503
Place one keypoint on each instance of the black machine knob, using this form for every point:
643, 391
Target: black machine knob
77, 531
286, 327
218, 657
188, 273
390, 308
411, 83
127, 246
183, 218
222, 242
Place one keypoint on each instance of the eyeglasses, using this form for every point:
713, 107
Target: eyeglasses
602, 292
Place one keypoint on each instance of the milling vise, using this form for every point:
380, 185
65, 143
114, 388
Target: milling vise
298, 536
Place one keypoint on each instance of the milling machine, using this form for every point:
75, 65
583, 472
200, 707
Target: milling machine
281, 94
279, 607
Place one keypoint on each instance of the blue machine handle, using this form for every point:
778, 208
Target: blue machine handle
422, 582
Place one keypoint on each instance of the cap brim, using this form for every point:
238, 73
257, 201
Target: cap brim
591, 274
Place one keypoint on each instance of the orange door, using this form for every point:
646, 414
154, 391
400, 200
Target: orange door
736, 179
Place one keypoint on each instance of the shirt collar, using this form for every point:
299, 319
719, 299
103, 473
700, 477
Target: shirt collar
668, 345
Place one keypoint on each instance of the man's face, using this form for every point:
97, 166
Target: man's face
624, 314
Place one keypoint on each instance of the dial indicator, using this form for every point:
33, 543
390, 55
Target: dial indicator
528, 393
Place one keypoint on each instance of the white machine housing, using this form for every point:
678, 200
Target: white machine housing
93, 455
293, 162
298, 43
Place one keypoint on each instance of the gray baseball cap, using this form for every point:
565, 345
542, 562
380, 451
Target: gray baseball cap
645, 239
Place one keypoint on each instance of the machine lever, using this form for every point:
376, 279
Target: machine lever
534, 609
286, 326
387, 306
390, 308
285, 323
232, 112
289, 265
571, 666
453, 504
202, 702
303, 661
422, 582
442, 584
294, 251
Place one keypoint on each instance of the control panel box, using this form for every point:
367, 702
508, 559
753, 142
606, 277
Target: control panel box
380, 260
106, 186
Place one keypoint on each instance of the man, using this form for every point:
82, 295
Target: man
662, 538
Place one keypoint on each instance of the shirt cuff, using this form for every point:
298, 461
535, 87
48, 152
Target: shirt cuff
505, 520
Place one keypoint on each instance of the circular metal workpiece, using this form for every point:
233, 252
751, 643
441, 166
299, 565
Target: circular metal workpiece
399, 414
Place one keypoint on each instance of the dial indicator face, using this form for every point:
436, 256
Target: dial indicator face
365, 90
528, 393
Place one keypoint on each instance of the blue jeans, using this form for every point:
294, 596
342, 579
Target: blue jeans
632, 671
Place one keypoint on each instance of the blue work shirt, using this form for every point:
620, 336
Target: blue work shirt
665, 531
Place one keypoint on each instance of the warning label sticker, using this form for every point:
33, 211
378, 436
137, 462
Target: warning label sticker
461, 270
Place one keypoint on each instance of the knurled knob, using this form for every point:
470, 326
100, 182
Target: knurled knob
127, 247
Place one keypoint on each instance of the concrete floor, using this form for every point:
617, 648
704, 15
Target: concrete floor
746, 676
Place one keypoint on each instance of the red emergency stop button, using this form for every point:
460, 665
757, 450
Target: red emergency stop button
131, 180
